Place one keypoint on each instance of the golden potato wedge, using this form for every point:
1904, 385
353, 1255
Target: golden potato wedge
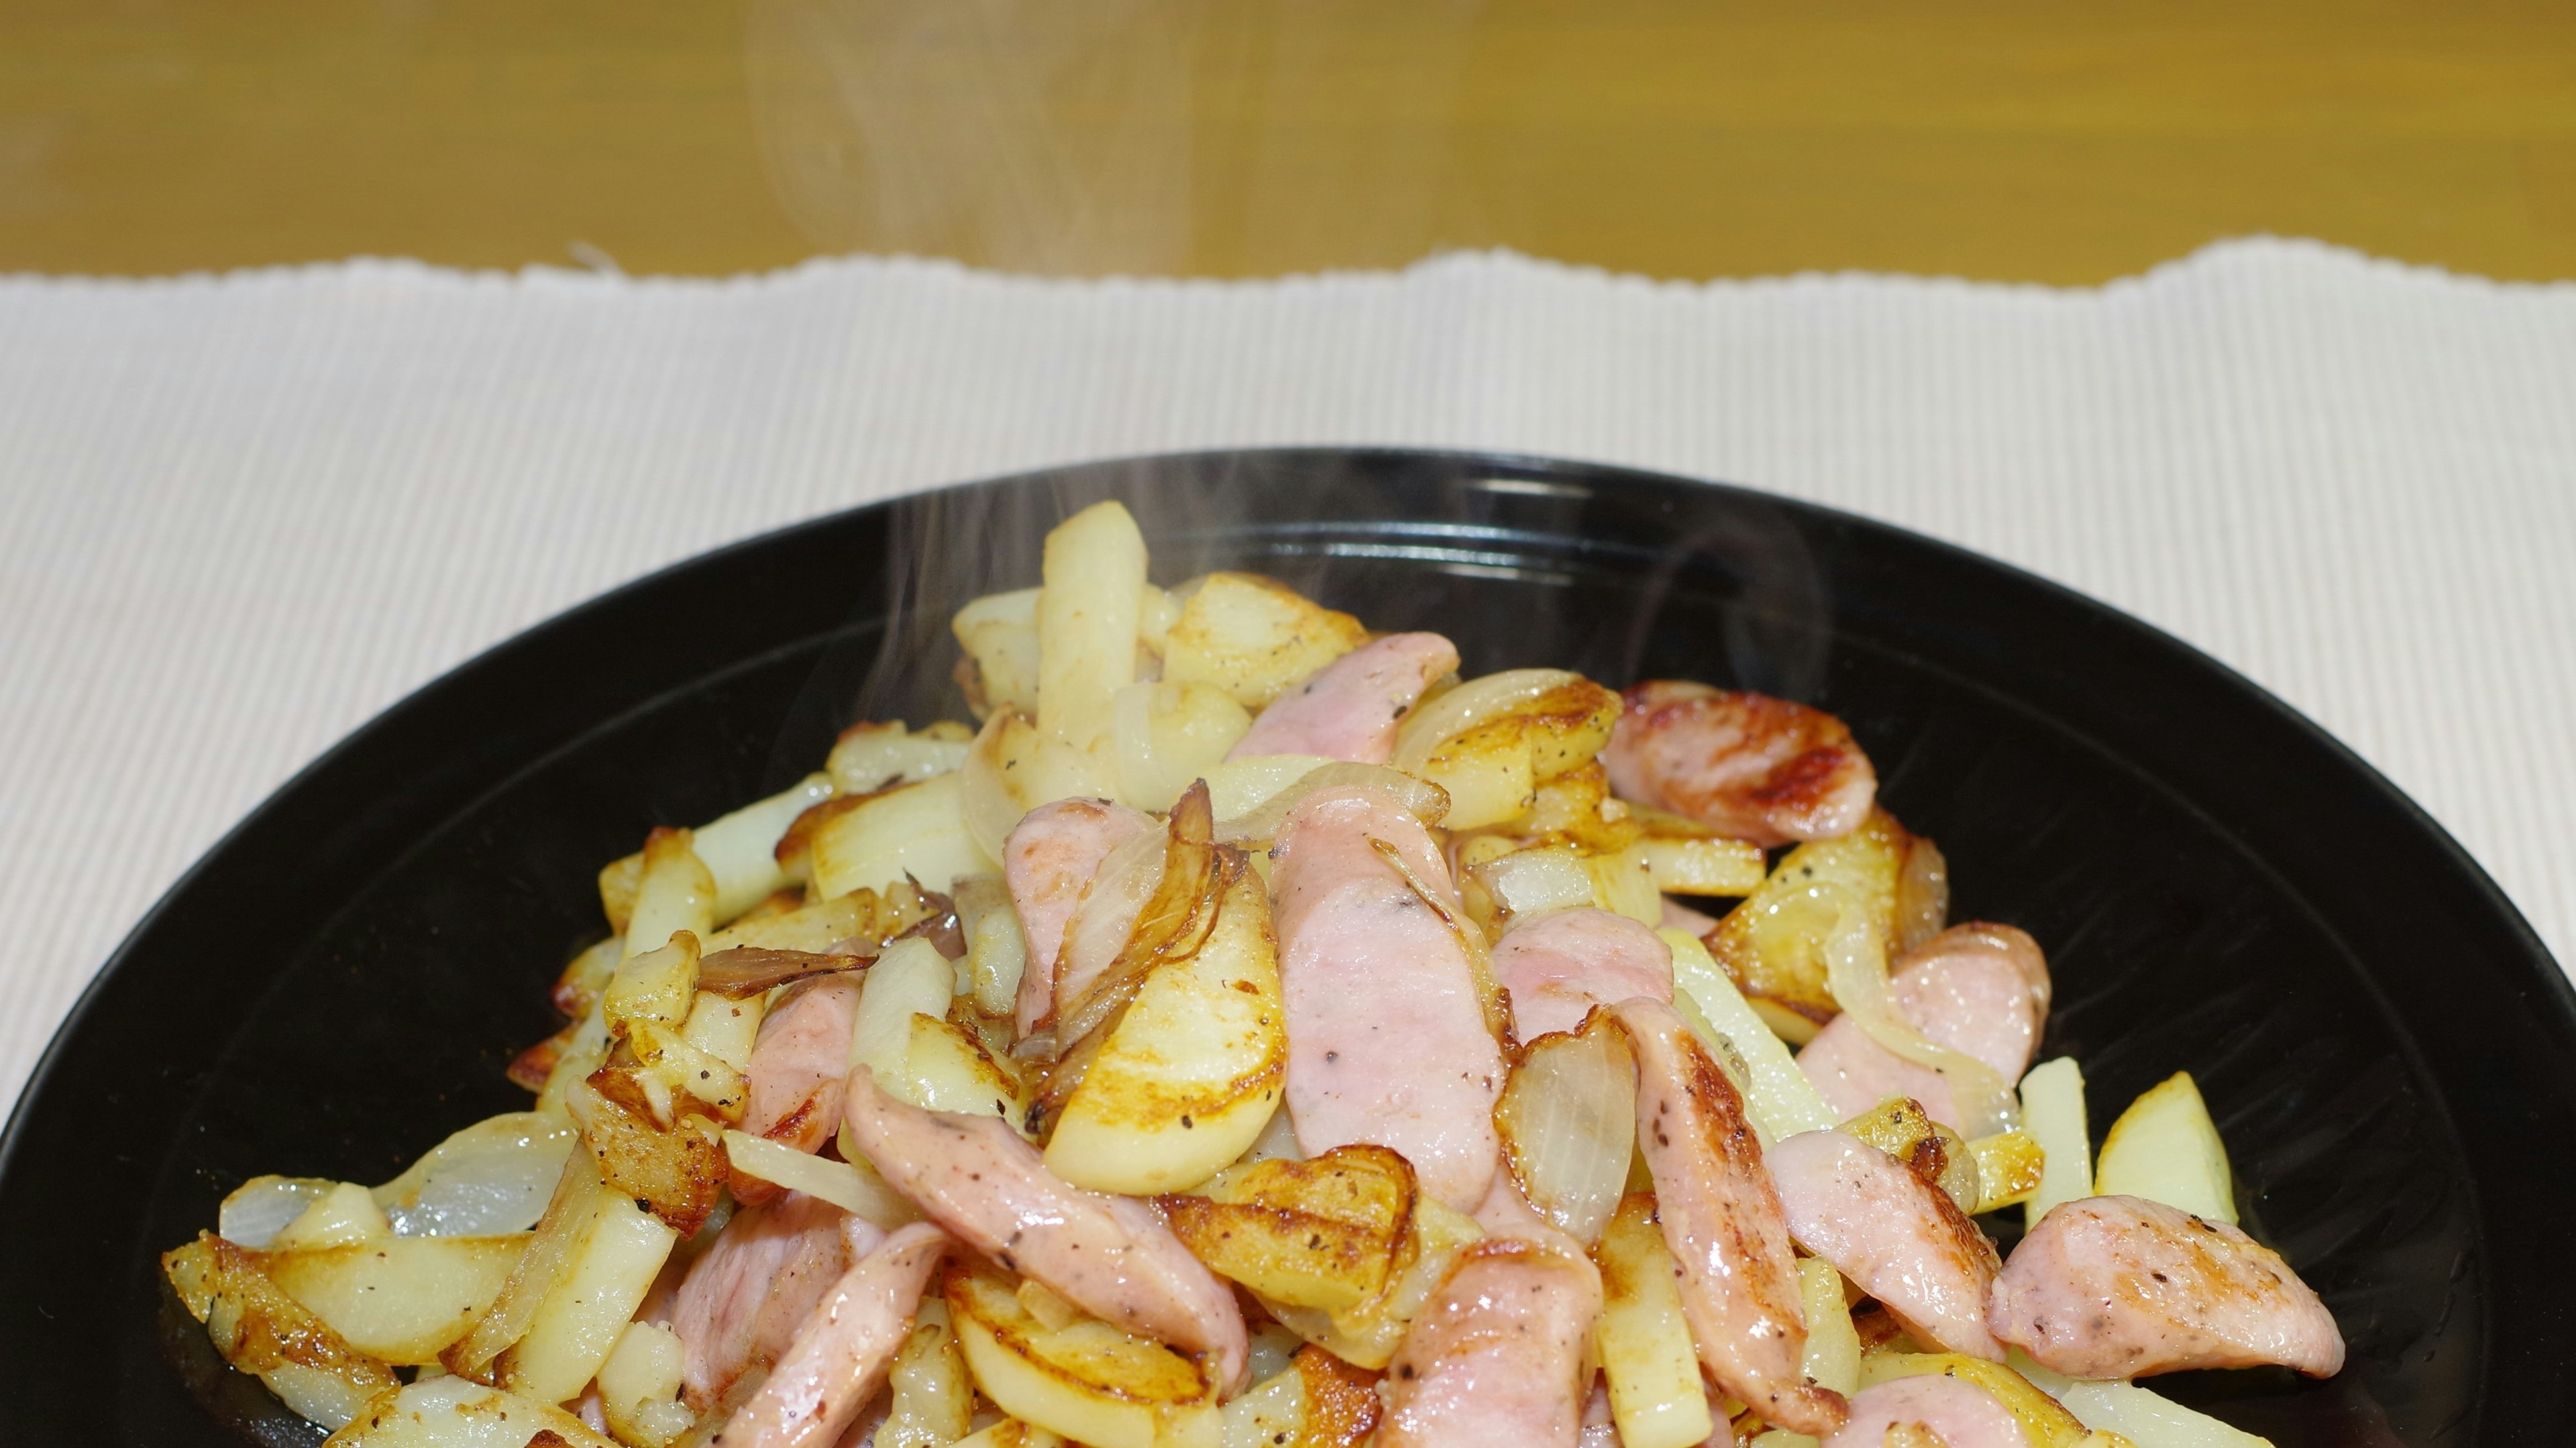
1013, 767
1192, 1071
1316, 1401
946, 1069
1367, 1336
1772, 944
997, 952
867, 757
1089, 609
1498, 883
1624, 884
456, 1413
931, 1400
999, 633
915, 830
740, 850
639, 1387
678, 1168
1576, 808
1321, 1233
1832, 1358
1656, 1396
1085, 1380
1520, 729
2166, 1149
2052, 1111
1704, 866
263, 1331
2044, 1421
861, 914
594, 1297
675, 892
1165, 735
653, 985
2010, 1167
400, 1300
1901, 1127
2148, 1419
1252, 637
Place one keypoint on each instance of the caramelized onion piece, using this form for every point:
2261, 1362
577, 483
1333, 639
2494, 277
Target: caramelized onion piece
749, 970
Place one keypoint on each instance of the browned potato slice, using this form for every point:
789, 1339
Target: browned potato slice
398, 1299
677, 1170
1320, 1233
1253, 637
1083, 1379
1492, 771
264, 1332
2010, 1165
1772, 944
1367, 1335
1900, 1127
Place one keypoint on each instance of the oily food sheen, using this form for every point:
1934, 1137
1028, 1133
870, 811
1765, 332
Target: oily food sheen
1249, 1031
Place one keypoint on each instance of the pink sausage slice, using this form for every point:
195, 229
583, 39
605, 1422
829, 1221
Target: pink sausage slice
1050, 857
1558, 966
1747, 765
798, 1062
1723, 1221
1499, 1356
2121, 1287
1978, 989
843, 1348
1959, 1412
1111, 1256
743, 1299
1898, 1236
1387, 1035
1350, 707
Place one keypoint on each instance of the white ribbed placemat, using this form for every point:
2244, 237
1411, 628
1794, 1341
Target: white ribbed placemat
238, 516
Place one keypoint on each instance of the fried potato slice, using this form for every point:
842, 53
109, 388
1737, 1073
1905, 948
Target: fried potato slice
2166, 1149
1194, 1068
1367, 1336
1656, 1396
1773, 944
1252, 637
2010, 1167
457, 1413
1082, 1379
1901, 1127
401, 1300
914, 830
263, 1331
1321, 1233
1519, 729
2045, 1422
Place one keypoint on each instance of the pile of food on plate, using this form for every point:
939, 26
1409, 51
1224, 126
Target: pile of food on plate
1253, 1033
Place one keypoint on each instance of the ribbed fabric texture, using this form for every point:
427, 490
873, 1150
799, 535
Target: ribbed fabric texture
240, 515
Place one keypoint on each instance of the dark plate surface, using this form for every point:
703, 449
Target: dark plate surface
2220, 887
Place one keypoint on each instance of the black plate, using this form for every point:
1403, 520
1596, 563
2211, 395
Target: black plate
2390, 1052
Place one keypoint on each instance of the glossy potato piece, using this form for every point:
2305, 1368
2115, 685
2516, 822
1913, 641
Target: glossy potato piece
455, 1413
1253, 637
399, 1299
1492, 770
2166, 1149
1657, 1398
1192, 1072
999, 633
1322, 1233
1773, 944
1082, 1379
915, 830
259, 1329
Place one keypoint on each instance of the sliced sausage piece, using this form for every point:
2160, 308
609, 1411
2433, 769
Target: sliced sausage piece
1898, 1236
1559, 965
1501, 1352
842, 1349
1050, 857
1957, 1411
1723, 1222
1349, 708
1387, 1036
743, 1299
1111, 1256
1981, 990
2121, 1287
1747, 765
798, 1062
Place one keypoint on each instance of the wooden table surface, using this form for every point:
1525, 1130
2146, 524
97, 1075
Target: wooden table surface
2033, 141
